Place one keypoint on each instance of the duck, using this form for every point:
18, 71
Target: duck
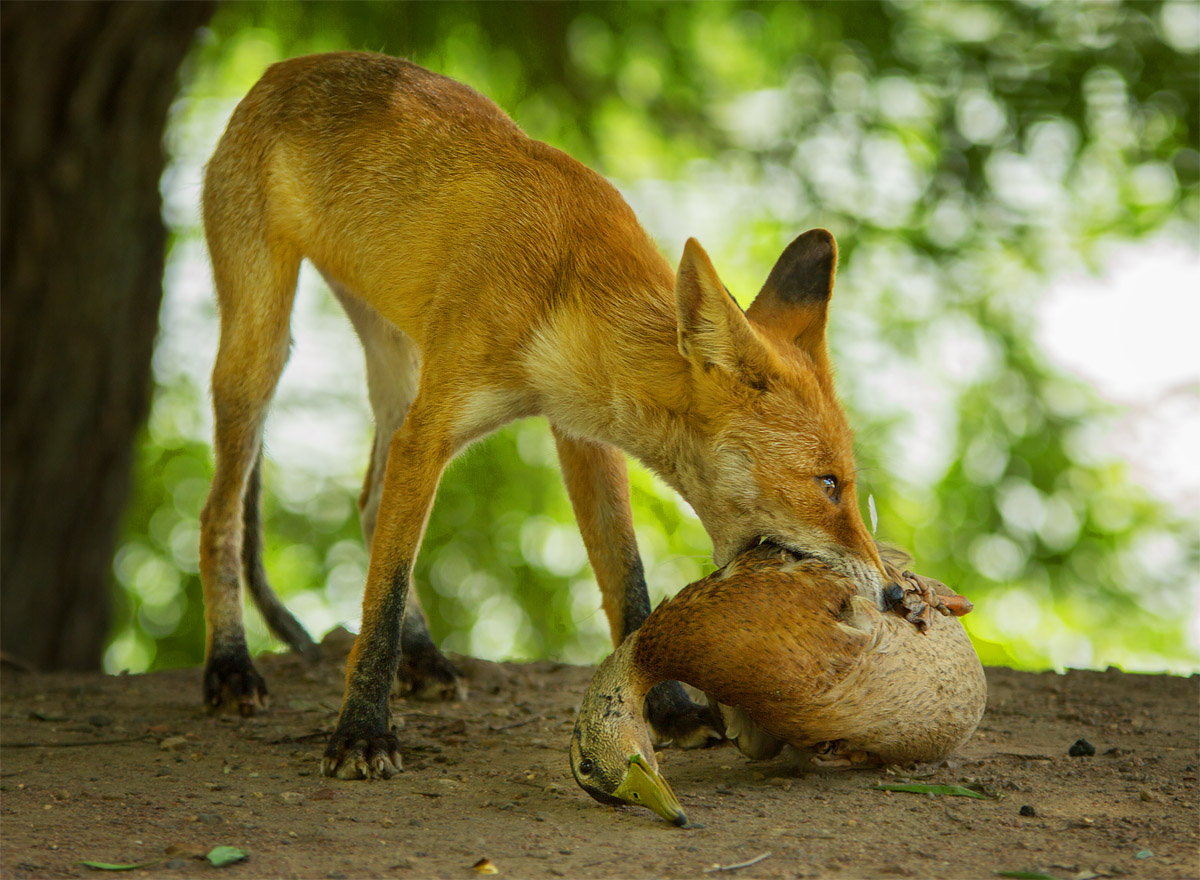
789, 652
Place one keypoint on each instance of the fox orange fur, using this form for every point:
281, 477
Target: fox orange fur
492, 277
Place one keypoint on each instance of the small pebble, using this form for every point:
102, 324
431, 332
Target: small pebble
1028, 811
291, 797
173, 743
1081, 749
209, 818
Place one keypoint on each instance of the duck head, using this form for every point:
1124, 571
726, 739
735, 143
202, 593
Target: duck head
612, 756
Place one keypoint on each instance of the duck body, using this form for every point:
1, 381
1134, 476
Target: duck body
792, 653
791, 647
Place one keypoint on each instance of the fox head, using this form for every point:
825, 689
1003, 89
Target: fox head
772, 455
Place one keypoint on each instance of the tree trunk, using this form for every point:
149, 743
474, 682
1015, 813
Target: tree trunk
85, 92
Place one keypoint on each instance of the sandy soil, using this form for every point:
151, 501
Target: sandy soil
128, 769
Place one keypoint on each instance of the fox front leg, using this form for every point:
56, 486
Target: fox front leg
598, 483
363, 746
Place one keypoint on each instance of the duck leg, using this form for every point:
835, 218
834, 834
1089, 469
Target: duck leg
837, 755
919, 596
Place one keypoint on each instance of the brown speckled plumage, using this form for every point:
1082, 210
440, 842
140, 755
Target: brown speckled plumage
810, 661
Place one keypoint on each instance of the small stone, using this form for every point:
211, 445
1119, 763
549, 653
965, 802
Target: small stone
176, 864
291, 797
1027, 810
173, 743
781, 782
1081, 749
209, 818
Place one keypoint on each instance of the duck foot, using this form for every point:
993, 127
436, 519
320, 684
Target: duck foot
916, 597
837, 755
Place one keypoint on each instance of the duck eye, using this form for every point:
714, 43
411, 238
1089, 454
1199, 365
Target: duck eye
586, 767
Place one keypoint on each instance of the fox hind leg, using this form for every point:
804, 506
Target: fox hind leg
255, 288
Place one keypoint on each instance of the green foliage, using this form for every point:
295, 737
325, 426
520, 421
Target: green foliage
965, 155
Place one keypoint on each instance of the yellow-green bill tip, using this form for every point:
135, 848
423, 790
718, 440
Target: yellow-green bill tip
644, 787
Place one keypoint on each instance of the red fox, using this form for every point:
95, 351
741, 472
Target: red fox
492, 277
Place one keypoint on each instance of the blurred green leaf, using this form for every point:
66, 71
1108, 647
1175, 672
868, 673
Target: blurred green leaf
220, 856
966, 155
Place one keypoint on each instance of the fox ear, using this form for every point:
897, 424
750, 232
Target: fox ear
794, 302
712, 327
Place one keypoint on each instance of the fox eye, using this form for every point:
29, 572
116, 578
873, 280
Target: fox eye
586, 767
830, 484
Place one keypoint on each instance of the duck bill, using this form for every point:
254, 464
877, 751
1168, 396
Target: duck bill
644, 787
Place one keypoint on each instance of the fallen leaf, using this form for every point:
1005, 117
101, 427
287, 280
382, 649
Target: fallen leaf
106, 866
219, 856
947, 790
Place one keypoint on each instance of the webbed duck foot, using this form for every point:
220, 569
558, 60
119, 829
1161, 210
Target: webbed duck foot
676, 719
916, 597
837, 755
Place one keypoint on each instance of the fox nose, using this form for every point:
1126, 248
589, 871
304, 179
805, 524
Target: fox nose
892, 594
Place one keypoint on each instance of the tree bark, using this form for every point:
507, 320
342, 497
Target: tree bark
85, 91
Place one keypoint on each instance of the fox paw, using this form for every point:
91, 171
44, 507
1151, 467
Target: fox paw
431, 677
676, 719
355, 754
232, 683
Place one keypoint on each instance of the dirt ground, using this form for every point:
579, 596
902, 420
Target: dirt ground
122, 769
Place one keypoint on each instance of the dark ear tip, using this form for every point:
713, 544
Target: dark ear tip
816, 241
